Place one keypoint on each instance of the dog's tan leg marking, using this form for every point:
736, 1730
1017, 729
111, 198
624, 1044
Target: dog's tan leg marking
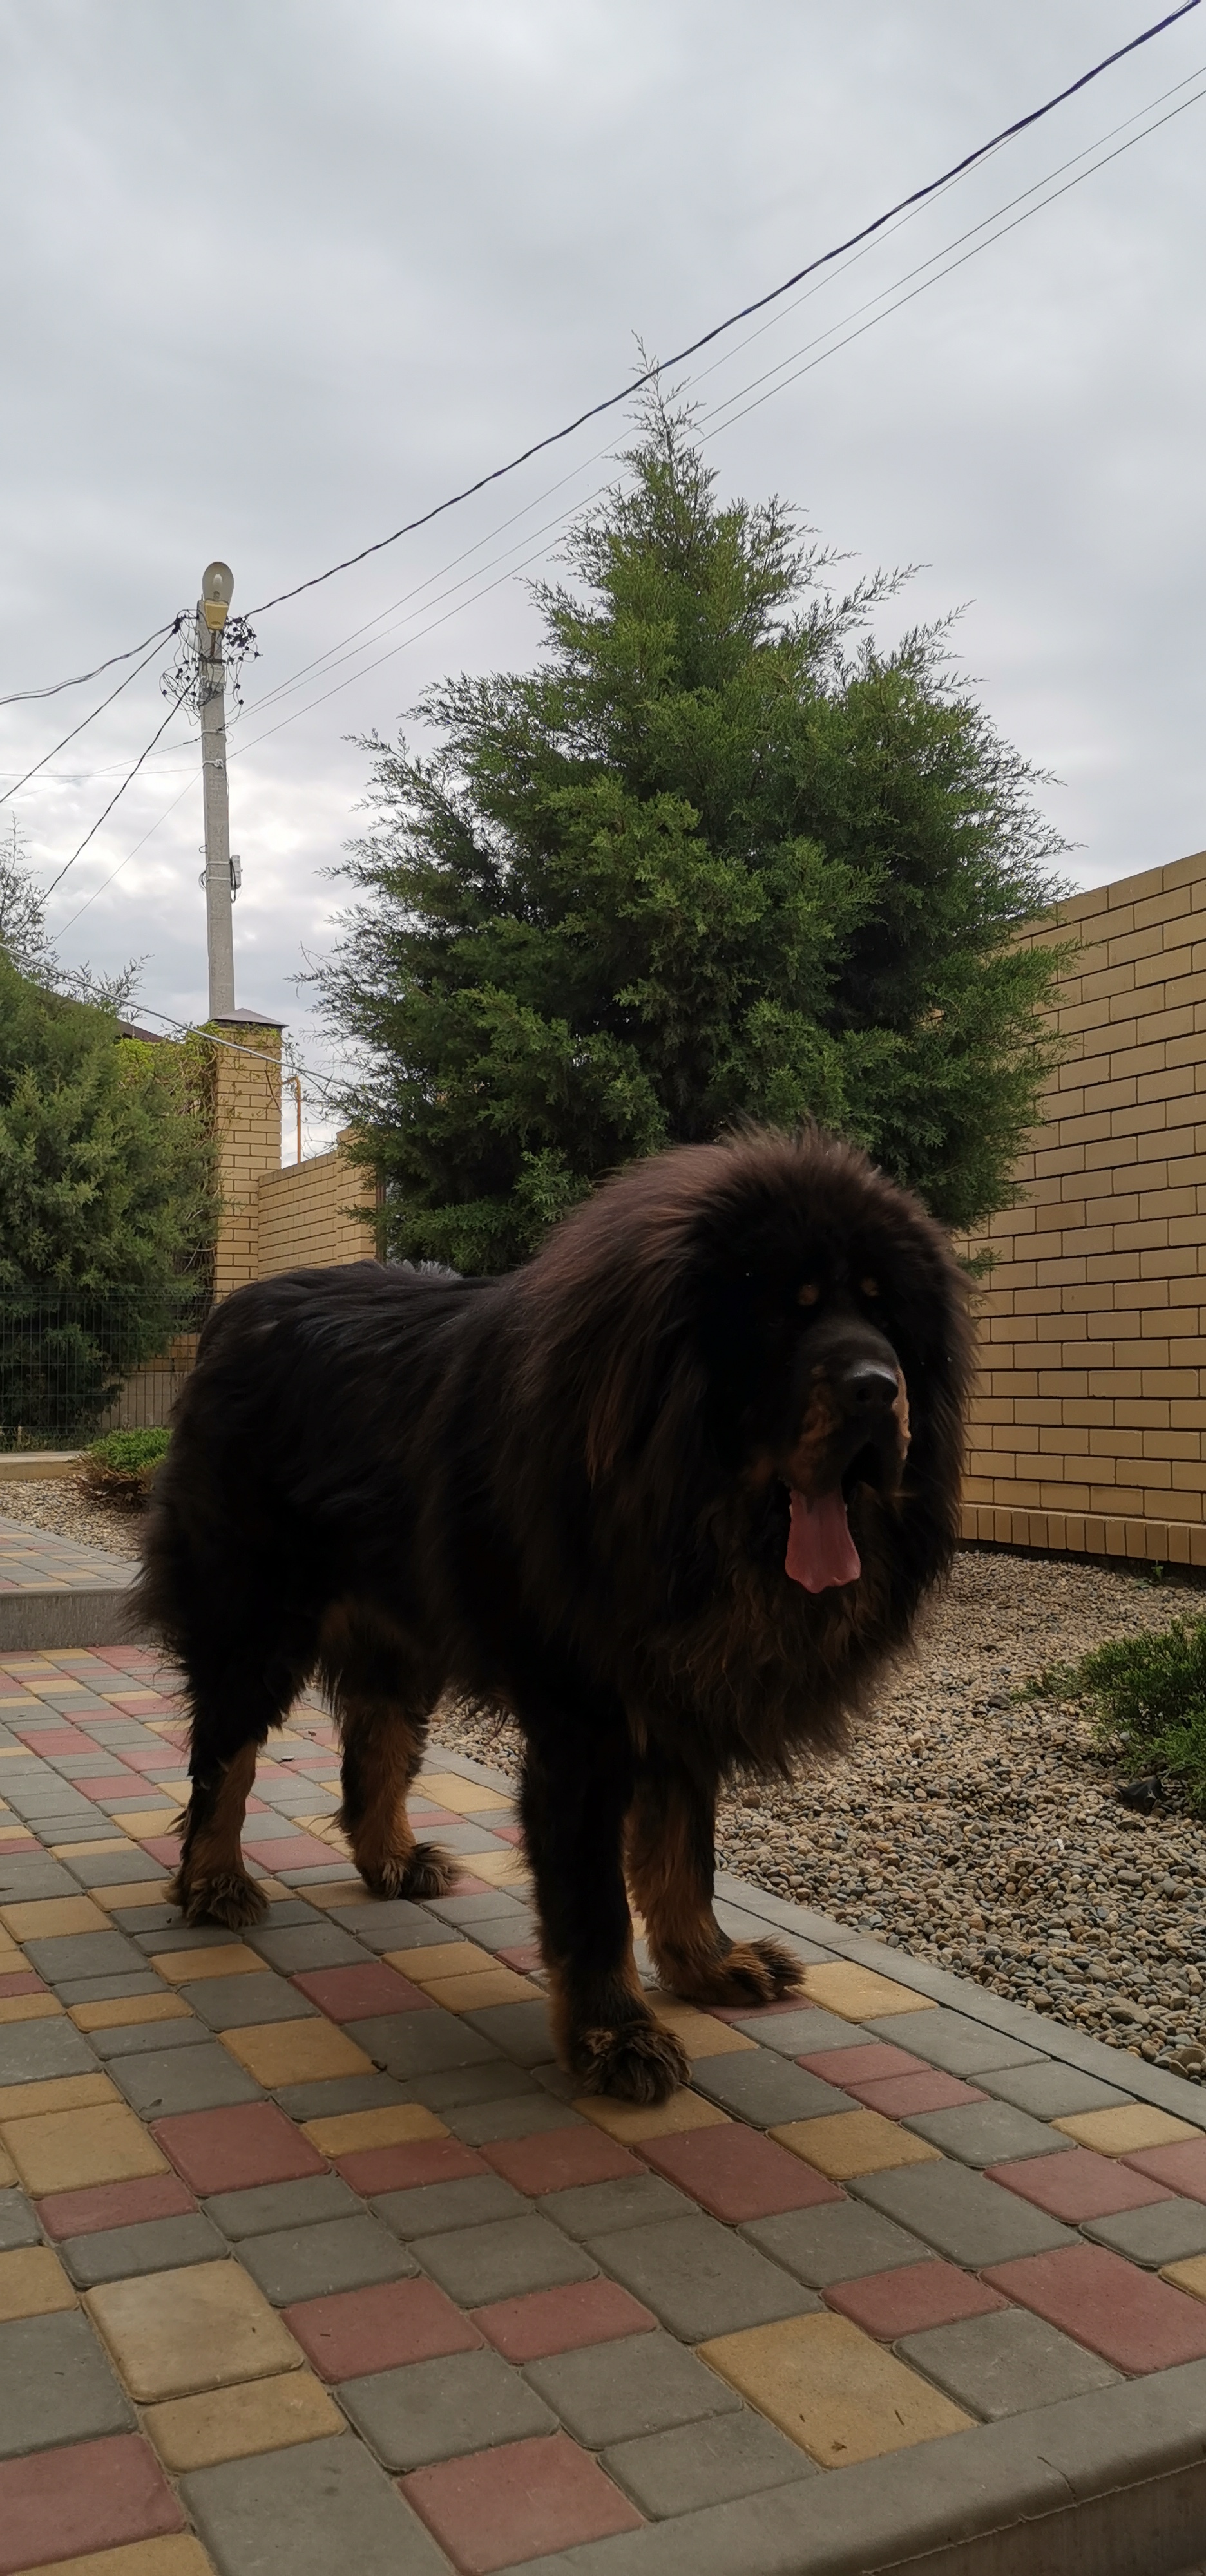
382, 1750
670, 1844
211, 1883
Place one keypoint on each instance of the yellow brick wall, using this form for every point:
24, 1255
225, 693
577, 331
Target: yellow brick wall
301, 1215
1091, 1410
247, 1117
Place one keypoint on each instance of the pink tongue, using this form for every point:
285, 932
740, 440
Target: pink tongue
820, 1550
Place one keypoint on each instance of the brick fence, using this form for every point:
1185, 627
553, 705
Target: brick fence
273, 1217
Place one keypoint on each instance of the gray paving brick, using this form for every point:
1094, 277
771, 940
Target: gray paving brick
712, 2462
502, 2259
438, 2410
32, 1874
610, 2392
951, 2040
589, 2209
467, 1838
1050, 2090
142, 2038
18, 2226
155, 2245
393, 1925
838, 2242
417, 2043
333, 2094
514, 2116
111, 1869
140, 1921
988, 2133
699, 2278
83, 1954
1168, 2231
764, 2089
522, 2032
473, 1913
806, 2033
160, 1938
506, 1932
291, 1949
429, 2208
184, 2079
1005, 2363
55, 2377
33, 2050
962, 2214
269, 2206
314, 2508
495, 2079
234, 2003
103, 1990
311, 2262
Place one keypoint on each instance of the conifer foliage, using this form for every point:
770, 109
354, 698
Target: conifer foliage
718, 856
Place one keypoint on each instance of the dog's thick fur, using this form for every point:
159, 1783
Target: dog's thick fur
567, 1491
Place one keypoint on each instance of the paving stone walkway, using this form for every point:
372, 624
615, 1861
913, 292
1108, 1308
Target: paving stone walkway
313, 2261
32, 1559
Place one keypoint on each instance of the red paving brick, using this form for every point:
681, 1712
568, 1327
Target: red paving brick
289, 1851
115, 2204
354, 2331
230, 2150
1079, 2185
87, 2496
527, 1958
21, 1981
554, 2159
373, 2169
887, 2304
562, 2320
1182, 2166
526, 2500
165, 1848
846, 2067
21, 1843
352, 1994
737, 2173
900, 2095
1130, 2317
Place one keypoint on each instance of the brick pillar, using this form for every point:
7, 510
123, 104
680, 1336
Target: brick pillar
247, 1118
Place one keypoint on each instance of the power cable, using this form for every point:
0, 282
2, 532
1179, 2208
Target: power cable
759, 303
19, 696
11, 792
102, 818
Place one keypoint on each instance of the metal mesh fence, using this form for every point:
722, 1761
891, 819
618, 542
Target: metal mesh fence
77, 1362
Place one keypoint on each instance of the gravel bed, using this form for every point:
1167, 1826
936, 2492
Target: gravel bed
980, 1827
57, 1503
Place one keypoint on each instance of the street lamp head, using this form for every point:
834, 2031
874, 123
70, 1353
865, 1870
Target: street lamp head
217, 585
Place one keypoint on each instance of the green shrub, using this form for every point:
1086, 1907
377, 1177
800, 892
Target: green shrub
1150, 1698
121, 1467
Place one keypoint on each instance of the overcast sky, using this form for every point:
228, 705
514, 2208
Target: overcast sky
279, 274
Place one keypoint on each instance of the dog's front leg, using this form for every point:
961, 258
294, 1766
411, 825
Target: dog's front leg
575, 1796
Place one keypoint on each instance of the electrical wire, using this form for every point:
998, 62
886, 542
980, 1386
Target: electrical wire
916, 197
18, 697
12, 792
103, 818
106, 882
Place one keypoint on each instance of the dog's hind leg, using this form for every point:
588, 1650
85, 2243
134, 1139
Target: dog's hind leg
574, 1798
233, 1707
383, 1699
671, 1871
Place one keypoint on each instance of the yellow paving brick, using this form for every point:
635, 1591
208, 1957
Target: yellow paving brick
172, 2334
507, 1867
1189, 2276
49, 1916
463, 1797
444, 1959
340, 1891
700, 2032
295, 2052
55, 2093
32, 2283
477, 1993
177, 2554
8, 2173
340, 2133
151, 1821
138, 1891
860, 1994
233, 2423
71, 1851
29, 2007
69, 2150
629, 2122
846, 2143
119, 2012
1125, 2131
832, 2390
226, 1959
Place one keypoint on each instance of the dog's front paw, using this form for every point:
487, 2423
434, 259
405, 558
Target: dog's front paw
421, 1872
753, 1973
638, 2062
228, 1897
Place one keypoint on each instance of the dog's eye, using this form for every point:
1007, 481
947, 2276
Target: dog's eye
808, 1294
869, 1287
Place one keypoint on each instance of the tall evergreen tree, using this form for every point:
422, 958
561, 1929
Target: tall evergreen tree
717, 856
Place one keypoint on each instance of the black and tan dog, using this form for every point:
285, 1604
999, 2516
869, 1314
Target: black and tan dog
671, 1493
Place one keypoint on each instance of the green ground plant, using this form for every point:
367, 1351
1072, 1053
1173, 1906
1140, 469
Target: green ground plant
121, 1468
1149, 1699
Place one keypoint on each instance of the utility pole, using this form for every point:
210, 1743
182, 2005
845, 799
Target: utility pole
217, 584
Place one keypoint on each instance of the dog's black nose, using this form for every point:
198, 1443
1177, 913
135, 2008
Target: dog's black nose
869, 1386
